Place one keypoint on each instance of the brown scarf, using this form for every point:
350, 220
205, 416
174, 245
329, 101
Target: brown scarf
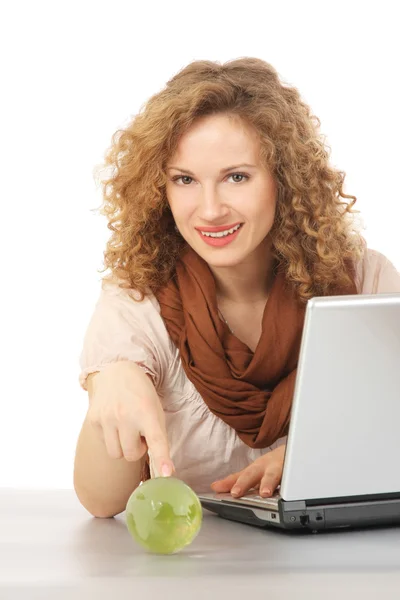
251, 392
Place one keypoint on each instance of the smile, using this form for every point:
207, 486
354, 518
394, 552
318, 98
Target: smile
220, 238
220, 234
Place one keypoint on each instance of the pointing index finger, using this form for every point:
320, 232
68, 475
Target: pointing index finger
158, 446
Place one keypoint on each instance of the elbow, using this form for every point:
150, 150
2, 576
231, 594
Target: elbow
102, 513
96, 507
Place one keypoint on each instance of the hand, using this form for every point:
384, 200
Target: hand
265, 474
127, 413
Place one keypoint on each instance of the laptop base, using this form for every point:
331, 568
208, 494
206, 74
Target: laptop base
278, 513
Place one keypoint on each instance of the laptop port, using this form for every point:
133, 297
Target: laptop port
304, 520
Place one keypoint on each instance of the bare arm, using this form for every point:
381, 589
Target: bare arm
111, 451
102, 484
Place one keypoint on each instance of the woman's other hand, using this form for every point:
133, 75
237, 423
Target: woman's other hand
265, 474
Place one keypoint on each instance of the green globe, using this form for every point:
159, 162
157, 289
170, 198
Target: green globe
164, 515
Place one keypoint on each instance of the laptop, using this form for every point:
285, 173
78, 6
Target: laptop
341, 466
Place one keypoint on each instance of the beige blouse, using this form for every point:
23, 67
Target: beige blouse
203, 447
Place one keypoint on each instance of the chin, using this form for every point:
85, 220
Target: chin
222, 257
220, 262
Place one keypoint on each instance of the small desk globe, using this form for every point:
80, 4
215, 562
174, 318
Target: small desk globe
164, 515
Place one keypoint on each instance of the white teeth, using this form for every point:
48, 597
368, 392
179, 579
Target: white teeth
220, 233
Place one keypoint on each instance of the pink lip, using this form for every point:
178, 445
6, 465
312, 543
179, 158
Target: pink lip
216, 229
220, 241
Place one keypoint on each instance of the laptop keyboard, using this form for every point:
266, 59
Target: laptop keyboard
257, 498
252, 498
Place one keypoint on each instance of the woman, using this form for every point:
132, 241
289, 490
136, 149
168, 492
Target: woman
226, 217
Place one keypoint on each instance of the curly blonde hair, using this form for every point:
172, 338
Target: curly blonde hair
314, 236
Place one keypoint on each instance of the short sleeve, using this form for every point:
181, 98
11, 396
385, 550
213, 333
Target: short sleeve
124, 328
389, 278
377, 274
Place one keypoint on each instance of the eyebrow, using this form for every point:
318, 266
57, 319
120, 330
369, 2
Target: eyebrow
248, 166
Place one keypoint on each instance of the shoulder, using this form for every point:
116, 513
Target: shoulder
114, 287
122, 326
128, 299
121, 313
376, 274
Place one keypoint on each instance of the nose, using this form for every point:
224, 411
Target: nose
211, 206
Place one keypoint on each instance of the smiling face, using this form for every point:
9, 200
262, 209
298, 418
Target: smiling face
222, 198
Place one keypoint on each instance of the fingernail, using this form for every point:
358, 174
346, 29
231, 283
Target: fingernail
266, 492
235, 491
166, 470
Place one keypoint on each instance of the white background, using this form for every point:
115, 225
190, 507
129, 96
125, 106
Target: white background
74, 72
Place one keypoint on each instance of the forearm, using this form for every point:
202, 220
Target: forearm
102, 484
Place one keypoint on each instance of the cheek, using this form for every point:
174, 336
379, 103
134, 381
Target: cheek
270, 208
264, 212
182, 205
181, 211
172, 201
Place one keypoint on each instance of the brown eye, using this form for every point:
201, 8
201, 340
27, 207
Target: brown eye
183, 177
242, 176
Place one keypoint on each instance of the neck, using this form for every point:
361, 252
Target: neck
249, 282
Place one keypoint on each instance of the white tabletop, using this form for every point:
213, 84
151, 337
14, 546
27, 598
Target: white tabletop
51, 548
